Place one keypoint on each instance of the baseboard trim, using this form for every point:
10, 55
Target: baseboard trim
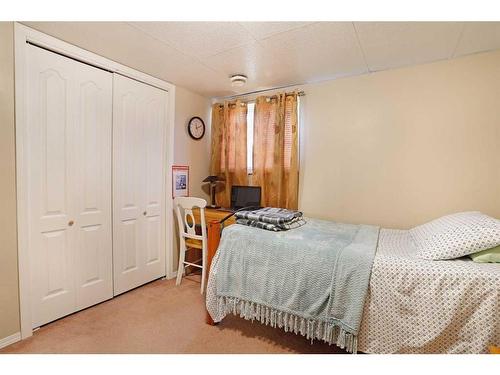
6, 341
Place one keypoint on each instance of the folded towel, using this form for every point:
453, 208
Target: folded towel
271, 215
295, 223
271, 218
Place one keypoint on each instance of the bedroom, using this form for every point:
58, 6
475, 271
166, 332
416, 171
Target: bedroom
371, 129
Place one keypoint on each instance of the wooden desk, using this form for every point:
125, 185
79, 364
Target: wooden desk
212, 218
213, 214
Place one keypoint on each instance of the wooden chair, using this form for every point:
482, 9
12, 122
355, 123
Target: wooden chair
187, 234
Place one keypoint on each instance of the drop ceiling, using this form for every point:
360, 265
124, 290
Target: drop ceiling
201, 56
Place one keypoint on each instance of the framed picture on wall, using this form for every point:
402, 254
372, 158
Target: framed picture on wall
180, 181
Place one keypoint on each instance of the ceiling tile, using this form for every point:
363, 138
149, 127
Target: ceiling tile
199, 39
261, 30
122, 43
203, 80
201, 55
395, 44
321, 51
479, 36
261, 66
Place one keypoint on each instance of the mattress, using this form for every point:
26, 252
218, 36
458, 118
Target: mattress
420, 306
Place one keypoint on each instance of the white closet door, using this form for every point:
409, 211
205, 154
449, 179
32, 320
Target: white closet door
67, 103
139, 113
93, 227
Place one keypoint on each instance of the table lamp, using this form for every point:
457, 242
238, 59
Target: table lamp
213, 180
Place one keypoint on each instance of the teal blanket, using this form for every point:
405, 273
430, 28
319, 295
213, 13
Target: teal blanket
311, 280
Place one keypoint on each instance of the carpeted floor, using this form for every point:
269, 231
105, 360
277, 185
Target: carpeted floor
160, 318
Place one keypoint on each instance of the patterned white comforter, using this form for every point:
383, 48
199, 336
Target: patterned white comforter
425, 306
420, 306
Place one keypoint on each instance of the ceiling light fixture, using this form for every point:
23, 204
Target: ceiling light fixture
238, 80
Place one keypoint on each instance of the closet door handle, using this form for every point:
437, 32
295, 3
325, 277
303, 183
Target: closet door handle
70, 223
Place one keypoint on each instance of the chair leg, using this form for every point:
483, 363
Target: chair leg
180, 268
204, 269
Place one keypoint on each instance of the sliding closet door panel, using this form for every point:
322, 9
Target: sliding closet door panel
69, 184
154, 134
49, 102
128, 182
138, 191
93, 124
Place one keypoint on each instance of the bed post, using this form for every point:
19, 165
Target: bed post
214, 227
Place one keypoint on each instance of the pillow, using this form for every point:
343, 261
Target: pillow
487, 256
456, 235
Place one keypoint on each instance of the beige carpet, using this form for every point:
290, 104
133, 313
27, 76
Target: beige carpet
160, 318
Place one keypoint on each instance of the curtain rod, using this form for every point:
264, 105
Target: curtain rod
251, 93
299, 93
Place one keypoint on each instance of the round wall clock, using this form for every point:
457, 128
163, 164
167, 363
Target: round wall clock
196, 128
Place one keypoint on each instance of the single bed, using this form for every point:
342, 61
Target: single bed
415, 305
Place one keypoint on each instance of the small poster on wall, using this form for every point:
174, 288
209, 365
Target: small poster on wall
180, 181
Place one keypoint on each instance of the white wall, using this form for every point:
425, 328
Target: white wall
187, 151
9, 299
401, 147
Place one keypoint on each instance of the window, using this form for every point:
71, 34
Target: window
250, 114
250, 133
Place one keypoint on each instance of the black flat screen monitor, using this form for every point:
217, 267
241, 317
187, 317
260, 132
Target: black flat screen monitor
244, 196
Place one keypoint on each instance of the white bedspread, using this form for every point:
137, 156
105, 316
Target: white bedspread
420, 306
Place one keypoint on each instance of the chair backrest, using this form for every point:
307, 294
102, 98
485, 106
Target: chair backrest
184, 208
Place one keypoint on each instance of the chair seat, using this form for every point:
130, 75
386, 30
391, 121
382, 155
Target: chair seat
197, 244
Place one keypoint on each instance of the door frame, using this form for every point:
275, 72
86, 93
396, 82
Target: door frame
23, 35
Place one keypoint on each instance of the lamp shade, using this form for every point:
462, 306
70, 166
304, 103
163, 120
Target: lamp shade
213, 179
213, 184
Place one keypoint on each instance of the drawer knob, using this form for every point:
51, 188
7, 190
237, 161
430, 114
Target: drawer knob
70, 223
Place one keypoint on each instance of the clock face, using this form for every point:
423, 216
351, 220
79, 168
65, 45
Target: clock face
196, 128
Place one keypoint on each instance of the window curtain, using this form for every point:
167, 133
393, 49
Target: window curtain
275, 150
229, 147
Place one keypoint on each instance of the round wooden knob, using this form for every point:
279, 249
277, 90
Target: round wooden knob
70, 223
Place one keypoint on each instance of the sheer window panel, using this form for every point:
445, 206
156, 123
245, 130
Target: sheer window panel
250, 122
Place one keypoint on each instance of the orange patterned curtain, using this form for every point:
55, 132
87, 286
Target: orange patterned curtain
229, 147
275, 152
275, 149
